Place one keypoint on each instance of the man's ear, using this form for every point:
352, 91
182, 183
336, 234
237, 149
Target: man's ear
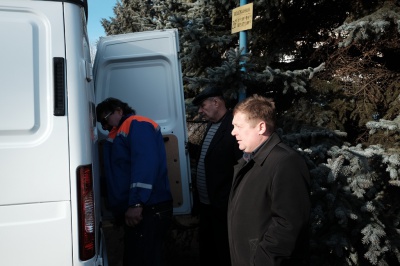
262, 128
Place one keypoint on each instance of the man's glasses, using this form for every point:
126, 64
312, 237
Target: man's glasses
104, 119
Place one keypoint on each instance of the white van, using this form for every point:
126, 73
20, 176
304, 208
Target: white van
50, 207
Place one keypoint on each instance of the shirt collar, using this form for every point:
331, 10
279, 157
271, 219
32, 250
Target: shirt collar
247, 156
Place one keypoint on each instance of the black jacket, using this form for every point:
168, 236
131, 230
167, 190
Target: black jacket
222, 154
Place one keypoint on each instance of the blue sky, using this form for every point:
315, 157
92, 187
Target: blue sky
98, 9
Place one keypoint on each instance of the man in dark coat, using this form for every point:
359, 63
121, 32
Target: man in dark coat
269, 204
219, 152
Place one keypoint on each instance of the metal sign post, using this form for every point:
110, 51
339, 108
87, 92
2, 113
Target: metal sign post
242, 20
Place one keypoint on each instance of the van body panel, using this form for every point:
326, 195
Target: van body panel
26, 96
143, 69
23, 241
41, 149
82, 119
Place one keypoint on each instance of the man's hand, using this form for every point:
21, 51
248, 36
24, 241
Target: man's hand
133, 216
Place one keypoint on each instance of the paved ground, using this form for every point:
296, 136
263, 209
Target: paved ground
182, 243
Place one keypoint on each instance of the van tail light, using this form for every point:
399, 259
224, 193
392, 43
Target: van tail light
86, 213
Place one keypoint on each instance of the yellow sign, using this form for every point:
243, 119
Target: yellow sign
242, 18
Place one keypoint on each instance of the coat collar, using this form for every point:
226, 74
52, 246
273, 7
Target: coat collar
262, 153
226, 122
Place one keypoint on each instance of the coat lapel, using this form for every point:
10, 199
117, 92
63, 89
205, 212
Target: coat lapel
225, 123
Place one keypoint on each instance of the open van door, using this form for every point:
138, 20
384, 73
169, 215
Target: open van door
143, 70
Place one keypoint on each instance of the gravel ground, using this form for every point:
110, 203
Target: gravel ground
181, 245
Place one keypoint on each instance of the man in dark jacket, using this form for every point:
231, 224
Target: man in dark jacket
219, 152
269, 204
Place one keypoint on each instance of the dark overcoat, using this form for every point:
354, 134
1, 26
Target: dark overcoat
269, 208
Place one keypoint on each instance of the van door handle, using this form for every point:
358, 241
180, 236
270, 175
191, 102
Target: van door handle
59, 86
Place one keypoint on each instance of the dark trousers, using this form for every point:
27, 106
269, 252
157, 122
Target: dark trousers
213, 236
144, 243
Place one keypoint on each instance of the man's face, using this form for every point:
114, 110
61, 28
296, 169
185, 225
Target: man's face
104, 121
110, 120
208, 109
246, 132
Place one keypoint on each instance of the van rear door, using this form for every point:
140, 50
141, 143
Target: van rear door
143, 69
35, 209
48, 137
